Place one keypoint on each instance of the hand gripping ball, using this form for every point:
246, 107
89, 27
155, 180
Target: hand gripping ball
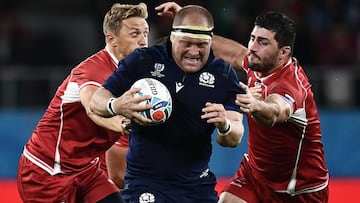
161, 99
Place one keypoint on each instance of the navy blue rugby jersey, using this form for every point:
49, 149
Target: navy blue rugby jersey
180, 148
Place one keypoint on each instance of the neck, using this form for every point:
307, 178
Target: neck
115, 56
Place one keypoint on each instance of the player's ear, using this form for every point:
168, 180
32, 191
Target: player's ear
110, 39
172, 38
285, 51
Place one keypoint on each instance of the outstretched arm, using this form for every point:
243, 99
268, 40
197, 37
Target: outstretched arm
168, 9
268, 111
229, 50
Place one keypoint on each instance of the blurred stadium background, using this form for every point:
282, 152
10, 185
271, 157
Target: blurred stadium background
40, 41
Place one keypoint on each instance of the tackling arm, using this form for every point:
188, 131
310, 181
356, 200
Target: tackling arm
273, 109
114, 123
229, 50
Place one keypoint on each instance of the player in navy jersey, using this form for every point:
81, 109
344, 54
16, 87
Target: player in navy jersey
285, 160
169, 162
61, 161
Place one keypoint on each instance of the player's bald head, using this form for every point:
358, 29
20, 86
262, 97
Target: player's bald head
193, 21
193, 15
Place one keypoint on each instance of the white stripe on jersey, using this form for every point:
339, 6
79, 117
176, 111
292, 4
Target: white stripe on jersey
71, 93
40, 163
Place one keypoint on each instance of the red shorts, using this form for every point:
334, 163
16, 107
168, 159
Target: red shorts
36, 185
245, 186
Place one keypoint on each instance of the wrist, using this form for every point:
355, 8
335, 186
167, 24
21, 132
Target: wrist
110, 106
227, 129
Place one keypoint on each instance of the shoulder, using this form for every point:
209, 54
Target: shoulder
94, 68
145, 54
222, 68
99, 59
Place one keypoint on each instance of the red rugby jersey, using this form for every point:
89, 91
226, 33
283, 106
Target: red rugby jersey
288, 156
65, 139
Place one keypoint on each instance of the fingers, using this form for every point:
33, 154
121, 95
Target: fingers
137, 101
130, 104
126, 125
168, 9
216, 112
141, 120
256, 91
246, 102
242, 85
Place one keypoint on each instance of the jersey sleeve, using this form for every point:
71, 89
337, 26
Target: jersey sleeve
291, 92
232, 86
94, 70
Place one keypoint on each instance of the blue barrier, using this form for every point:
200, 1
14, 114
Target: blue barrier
340, 129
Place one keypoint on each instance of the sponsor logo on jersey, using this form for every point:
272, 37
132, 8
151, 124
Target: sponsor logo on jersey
178, 86
205, 173
207, 79
158, 68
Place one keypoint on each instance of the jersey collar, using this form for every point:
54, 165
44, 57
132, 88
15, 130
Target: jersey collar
115, 60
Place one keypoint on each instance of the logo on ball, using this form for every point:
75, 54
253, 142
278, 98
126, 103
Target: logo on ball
161, 99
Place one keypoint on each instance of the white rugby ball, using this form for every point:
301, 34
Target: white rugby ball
161, 99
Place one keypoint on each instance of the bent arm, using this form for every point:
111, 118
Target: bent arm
114, 123
229, 50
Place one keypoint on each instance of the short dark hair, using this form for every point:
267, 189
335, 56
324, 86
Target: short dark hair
281, 24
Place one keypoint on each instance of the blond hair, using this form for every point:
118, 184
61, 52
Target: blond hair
119, 12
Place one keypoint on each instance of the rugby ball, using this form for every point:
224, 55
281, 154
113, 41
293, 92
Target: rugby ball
161, 99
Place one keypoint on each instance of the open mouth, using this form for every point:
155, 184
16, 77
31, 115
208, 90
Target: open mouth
192, 60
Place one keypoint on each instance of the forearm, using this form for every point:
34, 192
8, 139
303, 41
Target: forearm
270, 111
229, 50
113, 123
99, 102
266, 113
233, 137
230, 135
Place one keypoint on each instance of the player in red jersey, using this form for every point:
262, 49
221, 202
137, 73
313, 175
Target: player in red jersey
60, 162
285, 160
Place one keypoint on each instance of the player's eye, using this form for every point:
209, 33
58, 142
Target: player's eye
135, 34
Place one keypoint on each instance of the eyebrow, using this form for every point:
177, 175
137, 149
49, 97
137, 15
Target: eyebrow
260, 38
135, 28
